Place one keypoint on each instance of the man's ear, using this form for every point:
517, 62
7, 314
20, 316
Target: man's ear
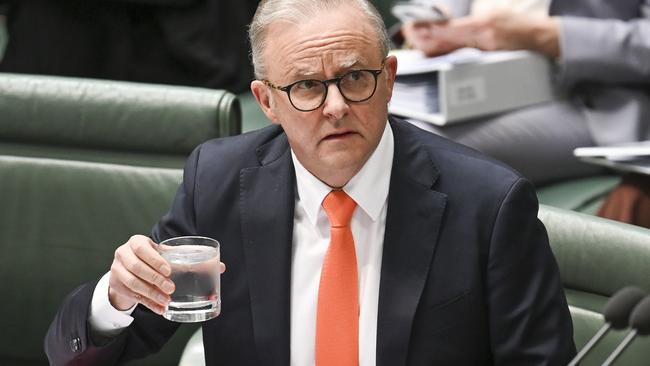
391, 71
262, 94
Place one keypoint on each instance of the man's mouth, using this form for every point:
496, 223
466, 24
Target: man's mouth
339, 135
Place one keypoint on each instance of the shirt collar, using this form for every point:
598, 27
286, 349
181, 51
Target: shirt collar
368, 188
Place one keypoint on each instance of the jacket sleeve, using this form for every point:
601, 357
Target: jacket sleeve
68, 340
606, 50
530, 323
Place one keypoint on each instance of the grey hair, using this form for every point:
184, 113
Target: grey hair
295, 12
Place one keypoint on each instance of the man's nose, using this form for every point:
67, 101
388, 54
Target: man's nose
335, 105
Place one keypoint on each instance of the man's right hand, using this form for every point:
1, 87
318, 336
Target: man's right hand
139, 274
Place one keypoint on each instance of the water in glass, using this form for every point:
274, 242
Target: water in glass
195, 271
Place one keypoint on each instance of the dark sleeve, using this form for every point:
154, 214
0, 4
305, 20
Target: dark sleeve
530, 323
68, 339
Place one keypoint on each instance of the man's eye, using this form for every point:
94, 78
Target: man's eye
306, 84
354, 75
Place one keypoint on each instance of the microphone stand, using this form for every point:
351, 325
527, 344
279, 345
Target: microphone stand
617, 352
592, 342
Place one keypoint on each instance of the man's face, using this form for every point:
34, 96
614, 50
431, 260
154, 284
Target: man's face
336, 139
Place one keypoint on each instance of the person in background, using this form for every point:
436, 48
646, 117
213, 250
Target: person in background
602, 52
350, 239
181, 42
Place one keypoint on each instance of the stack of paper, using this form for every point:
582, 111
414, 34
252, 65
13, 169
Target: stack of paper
416, 93
630, 157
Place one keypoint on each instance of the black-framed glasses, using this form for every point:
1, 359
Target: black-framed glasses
355, 86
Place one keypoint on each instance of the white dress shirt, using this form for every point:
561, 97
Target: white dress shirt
311, 236
369, 189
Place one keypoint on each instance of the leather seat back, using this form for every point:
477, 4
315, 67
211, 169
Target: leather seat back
598, 257
110, 121
60, 224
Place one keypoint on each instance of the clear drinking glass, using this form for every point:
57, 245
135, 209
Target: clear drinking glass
194, 261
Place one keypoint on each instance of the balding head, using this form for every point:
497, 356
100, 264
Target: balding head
298, 11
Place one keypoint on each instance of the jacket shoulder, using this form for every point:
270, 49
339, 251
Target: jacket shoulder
451, 159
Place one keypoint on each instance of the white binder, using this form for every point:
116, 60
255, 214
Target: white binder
468, 83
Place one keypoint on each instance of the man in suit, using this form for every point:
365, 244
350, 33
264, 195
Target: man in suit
601, 49
450, 264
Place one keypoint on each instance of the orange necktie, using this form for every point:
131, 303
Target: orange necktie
337, 317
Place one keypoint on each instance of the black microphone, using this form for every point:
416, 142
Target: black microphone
640, 324
616, 312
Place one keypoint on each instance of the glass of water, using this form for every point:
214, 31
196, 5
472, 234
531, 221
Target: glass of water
194, 261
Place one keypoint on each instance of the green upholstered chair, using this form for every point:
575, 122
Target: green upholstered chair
598, 257
110, 121
584, 195
252, 116
60, 224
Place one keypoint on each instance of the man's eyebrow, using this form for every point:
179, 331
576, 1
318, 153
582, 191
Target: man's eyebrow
348, 63
305, 73
302, 72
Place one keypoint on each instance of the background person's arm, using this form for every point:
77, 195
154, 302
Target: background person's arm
606, 50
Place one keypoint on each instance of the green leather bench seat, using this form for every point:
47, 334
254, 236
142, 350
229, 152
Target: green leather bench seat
110, 121
598, 257
60, 224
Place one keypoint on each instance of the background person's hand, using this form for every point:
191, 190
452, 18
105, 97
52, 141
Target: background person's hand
490, 31
139, 274
505, 30
424, 36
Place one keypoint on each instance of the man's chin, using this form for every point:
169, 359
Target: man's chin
342, 166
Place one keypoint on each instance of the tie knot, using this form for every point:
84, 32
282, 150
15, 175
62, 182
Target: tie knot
339, 208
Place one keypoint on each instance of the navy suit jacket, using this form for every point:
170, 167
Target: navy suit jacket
467, 275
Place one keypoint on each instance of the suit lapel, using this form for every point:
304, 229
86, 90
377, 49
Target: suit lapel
267, 205
413, 221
